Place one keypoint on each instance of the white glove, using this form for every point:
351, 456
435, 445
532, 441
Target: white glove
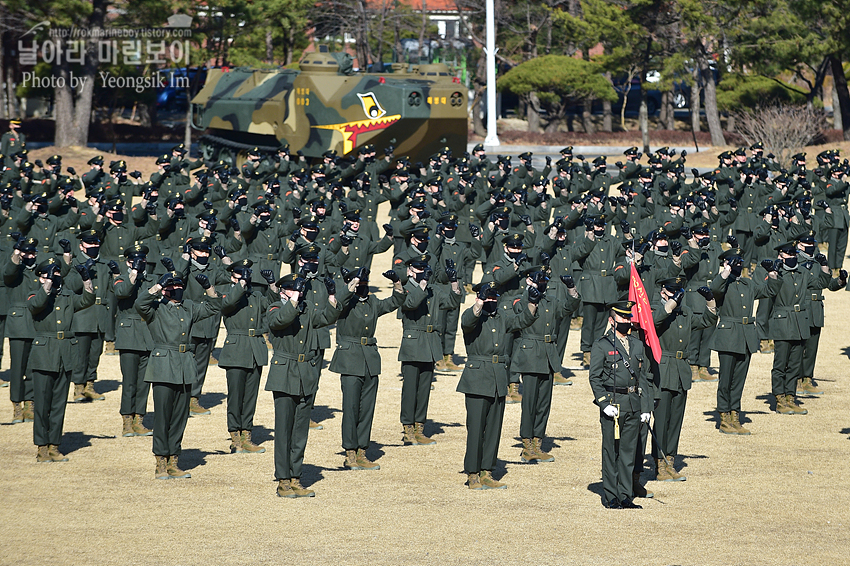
644, 417
611, 411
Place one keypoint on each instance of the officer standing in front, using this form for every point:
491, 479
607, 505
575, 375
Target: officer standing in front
620, 379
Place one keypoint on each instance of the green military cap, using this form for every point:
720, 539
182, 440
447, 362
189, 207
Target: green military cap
501, 211
174, 279
254, 151
490, 289
115, 204
27, 244
757, 145
622, 308
662, 150
96, 160
309, 252
136, 251
208, 214
729, 254
54, 160
118, 166
263, 202
283, 148
478, 147
240, 266
513, 241
600, 160
799, 156
47, 267
525, 155
419, 261
203, 243
807, 238
179, 148
741, 151
786, 247
631, 151
634, 243
311, 222
673, 283
89, 236
318, 168
725, 155
163, 159
14, 122
567, 150
529, 271
540, 181
290, 281
449, 219
701, 228
352, 215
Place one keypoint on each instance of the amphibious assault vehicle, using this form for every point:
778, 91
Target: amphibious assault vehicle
419, 109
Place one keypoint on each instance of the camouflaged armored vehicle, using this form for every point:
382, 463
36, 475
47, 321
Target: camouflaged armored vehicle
325, 106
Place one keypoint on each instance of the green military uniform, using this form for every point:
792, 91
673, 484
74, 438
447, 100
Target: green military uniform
294, 374
484, 380
171, 369
674, 378
735, 338
11, 143
52, 358
422, 314
358, 362
243, 355
790, 327
134, 343
535, 356
613, 384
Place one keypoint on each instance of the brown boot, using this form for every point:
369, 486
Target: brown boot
315, 426
766, 347
450, 364
109, 349
235, 442
473, 481
735, 418
489, 483
127, 426
364, 462
284, 489
585, 359
561, 379
249, 447
695, 377
528, 454
707, 377
409, 435
441, 365
538, 449
726, 426
55, 455
793, 407
139, 427
513, 396
42, 457
351, 461
29, 412
672, 471
806, 386
78, 393
174, 471
17, 413
782, 406
196, 409
90, 393
161, 472
299, 490
638, 489
419, 435
213, 361
661, 473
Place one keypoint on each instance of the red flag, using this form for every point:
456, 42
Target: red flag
643, 314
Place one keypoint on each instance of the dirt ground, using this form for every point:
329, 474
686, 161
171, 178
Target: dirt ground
777, 497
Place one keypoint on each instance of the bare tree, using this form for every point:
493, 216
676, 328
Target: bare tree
783, 130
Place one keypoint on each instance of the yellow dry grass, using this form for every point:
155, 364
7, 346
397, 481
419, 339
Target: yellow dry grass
779, 496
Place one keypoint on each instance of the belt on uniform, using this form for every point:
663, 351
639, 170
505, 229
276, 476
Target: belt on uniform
300, 358
621, 390
601, 272
181, 348
489, 359
59, 335
245, 332
270, 257
734, 319
790, 308
427, 328
816, 297
363, 340
749, 209
98, 301
542, 337
678, 354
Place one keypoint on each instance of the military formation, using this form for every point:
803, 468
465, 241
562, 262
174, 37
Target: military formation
279, 250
